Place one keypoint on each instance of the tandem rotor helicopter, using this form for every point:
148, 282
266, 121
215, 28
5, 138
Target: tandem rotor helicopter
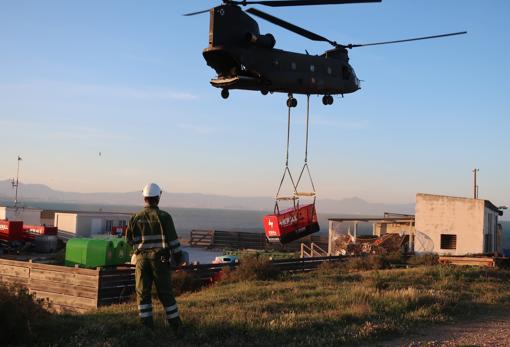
245, 59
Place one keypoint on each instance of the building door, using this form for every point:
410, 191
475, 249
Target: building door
97, 226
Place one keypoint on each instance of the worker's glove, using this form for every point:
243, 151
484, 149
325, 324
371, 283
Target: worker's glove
133, 259
178, 258
165, 256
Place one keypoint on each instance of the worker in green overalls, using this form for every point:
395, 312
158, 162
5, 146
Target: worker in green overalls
152, 234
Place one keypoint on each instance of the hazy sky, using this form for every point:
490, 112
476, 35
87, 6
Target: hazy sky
127, 79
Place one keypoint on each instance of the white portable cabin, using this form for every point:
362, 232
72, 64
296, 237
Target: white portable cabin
30, 216
86, 224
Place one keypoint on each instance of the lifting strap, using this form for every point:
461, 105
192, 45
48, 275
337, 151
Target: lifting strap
305, 166
294, 198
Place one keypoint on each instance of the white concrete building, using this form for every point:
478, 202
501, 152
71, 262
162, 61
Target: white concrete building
456, 226
29, 216
85, 224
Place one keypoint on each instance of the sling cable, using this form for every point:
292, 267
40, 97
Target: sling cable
299, 220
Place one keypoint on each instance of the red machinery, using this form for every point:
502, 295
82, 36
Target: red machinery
31, 231
11, 230
119, 230
291, 224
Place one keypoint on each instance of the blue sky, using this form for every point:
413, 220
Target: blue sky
127, 79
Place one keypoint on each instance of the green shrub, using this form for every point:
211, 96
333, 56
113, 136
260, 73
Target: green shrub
21, 315
425, 259
252, 268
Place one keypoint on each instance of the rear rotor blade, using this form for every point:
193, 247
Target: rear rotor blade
195, 13
281, 3
406, 40
289, 26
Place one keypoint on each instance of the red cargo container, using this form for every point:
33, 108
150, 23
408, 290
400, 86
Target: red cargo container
11, 231
31, 231
291, 224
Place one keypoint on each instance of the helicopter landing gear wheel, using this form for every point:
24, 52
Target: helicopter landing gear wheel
327, 100
291, 101
264, 91
225, 93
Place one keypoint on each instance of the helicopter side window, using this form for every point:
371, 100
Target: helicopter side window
346, 73
293, 66
330, 70
312, 68
276, 63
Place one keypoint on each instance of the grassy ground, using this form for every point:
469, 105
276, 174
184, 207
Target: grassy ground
328, 307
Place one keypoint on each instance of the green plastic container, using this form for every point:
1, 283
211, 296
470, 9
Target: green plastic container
91, 253
122, 250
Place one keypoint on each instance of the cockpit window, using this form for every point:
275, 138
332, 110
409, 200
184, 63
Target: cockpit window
293, 66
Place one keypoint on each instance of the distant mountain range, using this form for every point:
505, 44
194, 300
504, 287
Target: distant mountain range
44, 194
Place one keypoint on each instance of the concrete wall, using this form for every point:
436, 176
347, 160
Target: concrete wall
393, 228
27, 215
436, 215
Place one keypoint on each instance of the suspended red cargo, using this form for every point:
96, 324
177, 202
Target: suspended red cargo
11, 230
291, 224
31, 231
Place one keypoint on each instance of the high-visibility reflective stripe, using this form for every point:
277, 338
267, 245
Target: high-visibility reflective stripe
145, 314
171, 308
147, 238
144, 307
174, 243
173, 315
152, 245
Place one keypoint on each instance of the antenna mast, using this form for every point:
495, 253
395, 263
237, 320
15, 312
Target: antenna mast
15, 183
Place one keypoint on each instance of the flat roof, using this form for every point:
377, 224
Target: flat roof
487, 203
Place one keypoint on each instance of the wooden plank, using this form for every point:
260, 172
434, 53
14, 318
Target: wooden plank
13, 280
14, 262
63, 288
64, 277
14, 270
64, 269
67, 300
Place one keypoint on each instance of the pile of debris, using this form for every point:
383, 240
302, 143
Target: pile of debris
347, 244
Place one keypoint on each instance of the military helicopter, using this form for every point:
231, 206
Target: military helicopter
245, 59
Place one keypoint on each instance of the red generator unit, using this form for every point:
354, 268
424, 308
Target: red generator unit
31, 231
291, 224
119, 231
11, 231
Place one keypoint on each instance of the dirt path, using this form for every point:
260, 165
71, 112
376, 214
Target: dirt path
490, 330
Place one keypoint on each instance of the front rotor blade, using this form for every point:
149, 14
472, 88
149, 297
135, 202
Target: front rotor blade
194, 13
289, 26
406, 40
281, 3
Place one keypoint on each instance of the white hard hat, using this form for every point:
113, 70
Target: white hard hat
151, 190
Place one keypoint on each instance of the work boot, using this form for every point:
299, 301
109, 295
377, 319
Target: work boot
177, 327
148, 323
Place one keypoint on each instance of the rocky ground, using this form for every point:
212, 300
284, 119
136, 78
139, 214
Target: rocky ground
493, 330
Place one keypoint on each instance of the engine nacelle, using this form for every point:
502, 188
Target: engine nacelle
266, 41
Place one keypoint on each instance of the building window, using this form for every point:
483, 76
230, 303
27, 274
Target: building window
448, 241
109, 225
293, 66
122, 223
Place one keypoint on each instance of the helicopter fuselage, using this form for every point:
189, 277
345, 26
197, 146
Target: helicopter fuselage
244, 59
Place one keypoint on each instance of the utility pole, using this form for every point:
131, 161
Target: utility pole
475, 185
15, 183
